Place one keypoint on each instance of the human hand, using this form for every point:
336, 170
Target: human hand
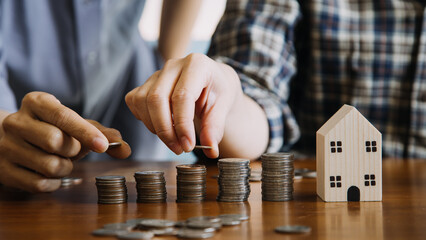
194, 88
42, 139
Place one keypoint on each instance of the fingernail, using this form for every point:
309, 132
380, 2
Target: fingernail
184, 141
100, 145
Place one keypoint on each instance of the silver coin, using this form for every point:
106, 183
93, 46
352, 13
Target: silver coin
194, 233
293, 229
135, 221
180, 224
136, 235
156, 223
240, 217
170, 231
213, 219
311, 174
202, 224
119, 226
114, 145
107, 232
230, 222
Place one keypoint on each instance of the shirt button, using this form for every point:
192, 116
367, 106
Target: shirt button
92, 57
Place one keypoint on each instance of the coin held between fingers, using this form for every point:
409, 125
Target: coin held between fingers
114, 145
203, 147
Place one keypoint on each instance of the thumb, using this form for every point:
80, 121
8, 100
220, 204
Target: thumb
212, 128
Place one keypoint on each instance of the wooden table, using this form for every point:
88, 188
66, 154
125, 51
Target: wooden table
73, 213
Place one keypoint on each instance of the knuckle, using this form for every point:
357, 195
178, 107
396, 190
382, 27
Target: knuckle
30, 98
182, 95
11, 122
163, 133
60, 117
54, 141
155, 99
169, 63
196, 57
182, 122
53, 167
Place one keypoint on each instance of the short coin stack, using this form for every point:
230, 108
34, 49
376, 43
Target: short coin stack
277, 176
233, 180
191, 183
111, 189
151, 187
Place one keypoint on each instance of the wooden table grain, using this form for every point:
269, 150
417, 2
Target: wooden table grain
73, 212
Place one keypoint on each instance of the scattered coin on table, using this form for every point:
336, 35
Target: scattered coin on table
135, 235
293, 229
200, 227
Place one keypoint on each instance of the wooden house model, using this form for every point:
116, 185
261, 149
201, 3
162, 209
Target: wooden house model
349, 158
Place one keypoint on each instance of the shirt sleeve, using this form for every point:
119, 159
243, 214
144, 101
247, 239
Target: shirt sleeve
256, 39
7, 98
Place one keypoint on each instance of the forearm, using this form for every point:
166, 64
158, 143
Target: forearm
246, 133
177, 20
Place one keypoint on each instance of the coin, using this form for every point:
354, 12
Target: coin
240, 217
111, 189
70, 181
114, 145
202, 147
194, 233
277, 176
156, 223
107, 232
151, 187
293, 229
190, 183
119, 226
233, 179
136, 235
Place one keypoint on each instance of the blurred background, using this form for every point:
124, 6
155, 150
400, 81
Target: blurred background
210, 13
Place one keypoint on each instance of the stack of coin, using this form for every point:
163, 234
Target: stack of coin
191, 183
111, 189
151, 187
233, 179
277, 176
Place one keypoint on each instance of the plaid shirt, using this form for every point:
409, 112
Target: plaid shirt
302, 60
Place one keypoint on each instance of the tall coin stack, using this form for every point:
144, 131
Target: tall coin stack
151, 187
191, 183
233, 180
277, 176
111, 189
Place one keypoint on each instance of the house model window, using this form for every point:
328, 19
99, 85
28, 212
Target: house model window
369, 180
336, 146
370, 146
335, 181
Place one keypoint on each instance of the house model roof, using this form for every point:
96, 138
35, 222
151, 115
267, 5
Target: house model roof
340, 115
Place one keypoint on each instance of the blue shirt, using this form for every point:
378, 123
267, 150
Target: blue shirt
88, 53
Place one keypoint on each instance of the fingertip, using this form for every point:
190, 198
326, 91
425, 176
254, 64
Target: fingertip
100, 144
186, 144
